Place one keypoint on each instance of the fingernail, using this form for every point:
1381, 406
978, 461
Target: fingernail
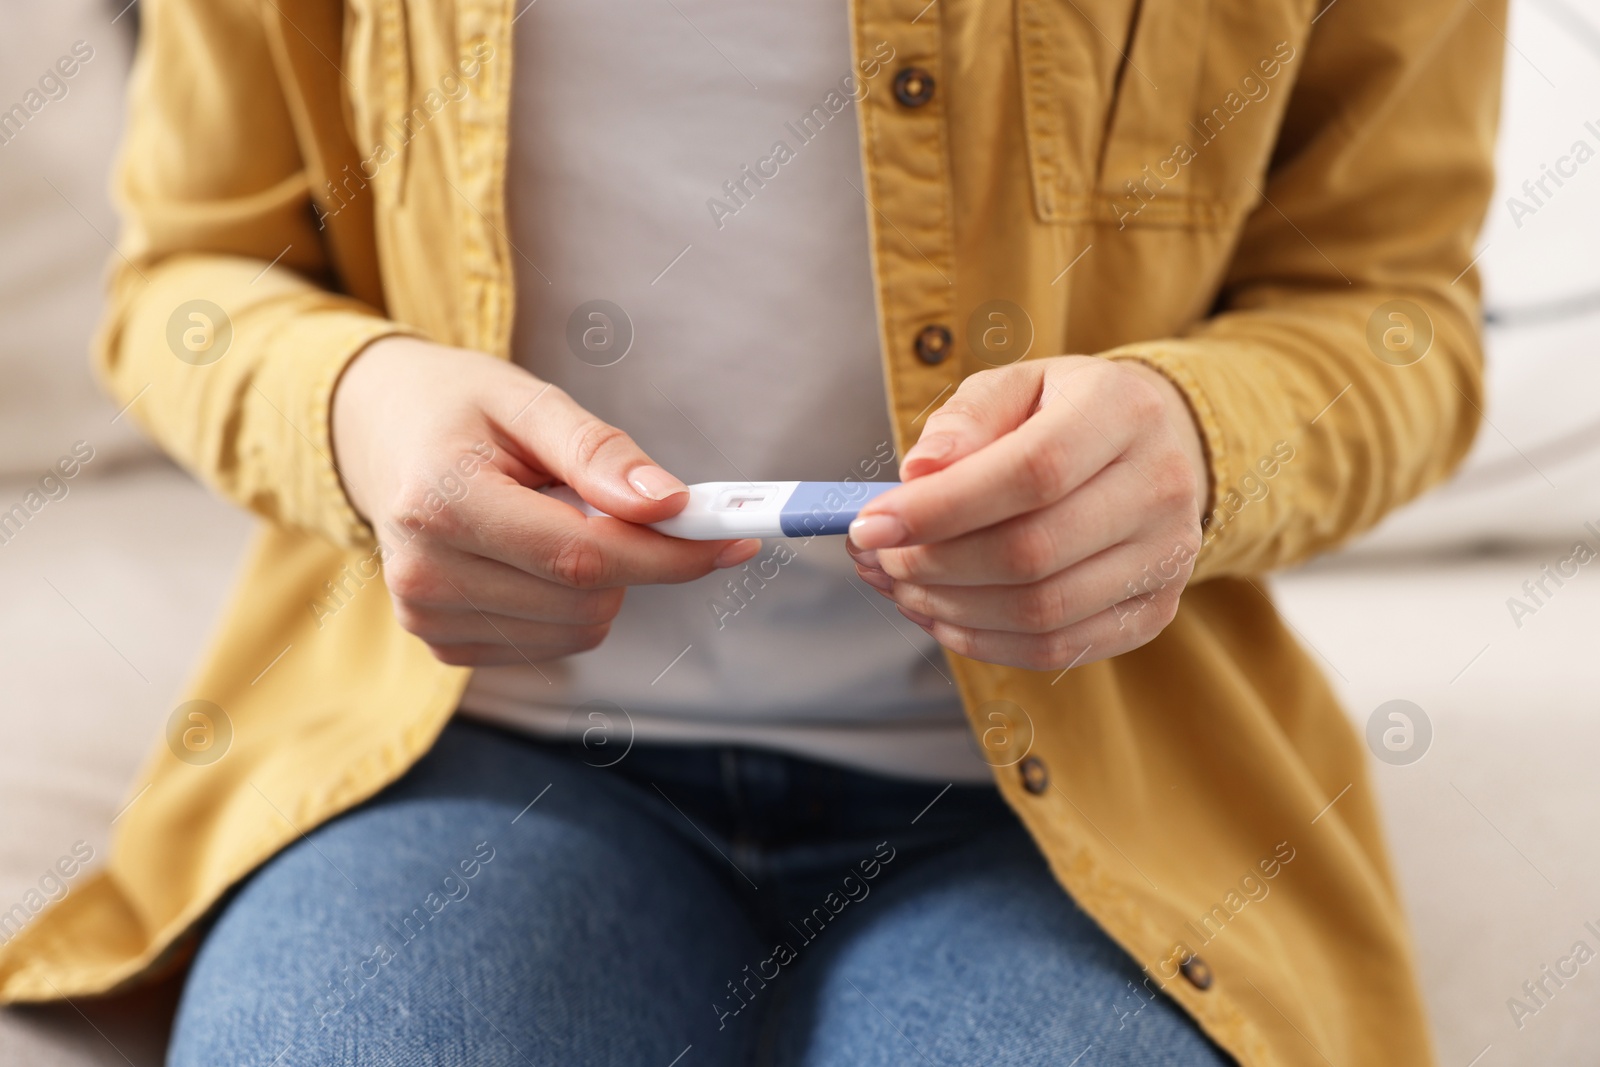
655, 483
877, 531
917, 617
875, 578
737, 552
935, 447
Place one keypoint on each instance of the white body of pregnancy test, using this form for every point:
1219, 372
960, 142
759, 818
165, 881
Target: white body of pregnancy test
721, 510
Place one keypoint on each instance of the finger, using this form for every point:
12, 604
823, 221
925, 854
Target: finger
597, 459
1120, 628
499, 654
985, 406
1030, 547
1081, 592
546, 538
444, 628
448, 579
1057, 449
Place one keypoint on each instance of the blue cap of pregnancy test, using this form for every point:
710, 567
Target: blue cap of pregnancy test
827, 507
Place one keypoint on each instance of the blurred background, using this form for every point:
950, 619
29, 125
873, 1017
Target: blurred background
1478, 689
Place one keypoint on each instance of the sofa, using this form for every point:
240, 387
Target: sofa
1472, 671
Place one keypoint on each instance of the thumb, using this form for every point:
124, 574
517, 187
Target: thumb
606, 467
985, 407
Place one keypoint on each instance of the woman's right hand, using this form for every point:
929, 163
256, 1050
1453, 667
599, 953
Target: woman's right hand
441, 449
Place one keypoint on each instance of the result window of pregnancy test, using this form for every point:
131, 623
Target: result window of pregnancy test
745, 497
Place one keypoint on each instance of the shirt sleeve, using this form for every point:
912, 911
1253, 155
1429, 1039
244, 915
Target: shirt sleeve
226, 331
1341, 373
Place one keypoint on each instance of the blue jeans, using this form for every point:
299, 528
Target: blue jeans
505, 903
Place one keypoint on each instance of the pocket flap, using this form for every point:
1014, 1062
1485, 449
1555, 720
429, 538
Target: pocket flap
1070, 53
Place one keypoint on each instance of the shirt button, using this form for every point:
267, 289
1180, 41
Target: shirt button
1035, 775
1197, 971
913, 87
933, 344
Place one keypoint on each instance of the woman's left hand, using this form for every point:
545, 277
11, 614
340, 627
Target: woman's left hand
1050, 516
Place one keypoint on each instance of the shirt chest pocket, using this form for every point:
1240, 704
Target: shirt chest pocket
1117, 98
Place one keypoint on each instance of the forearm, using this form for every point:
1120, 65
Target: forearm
1340, 374
230, 367
1311, 435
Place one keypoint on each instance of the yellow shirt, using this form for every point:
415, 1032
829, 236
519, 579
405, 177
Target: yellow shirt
1238, 193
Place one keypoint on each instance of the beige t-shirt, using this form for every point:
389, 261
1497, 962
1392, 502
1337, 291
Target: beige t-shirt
687, 209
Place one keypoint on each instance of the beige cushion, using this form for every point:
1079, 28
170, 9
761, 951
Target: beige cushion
1493, 829
110, 596
55, 221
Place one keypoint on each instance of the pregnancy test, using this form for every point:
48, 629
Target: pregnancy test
720, 510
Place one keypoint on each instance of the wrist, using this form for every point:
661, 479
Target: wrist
346, 425
1180, 417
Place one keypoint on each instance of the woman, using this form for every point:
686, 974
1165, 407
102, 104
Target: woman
389, 269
